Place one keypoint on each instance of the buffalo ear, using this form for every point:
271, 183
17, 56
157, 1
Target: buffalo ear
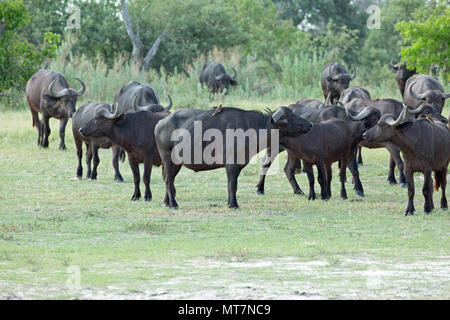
404, 126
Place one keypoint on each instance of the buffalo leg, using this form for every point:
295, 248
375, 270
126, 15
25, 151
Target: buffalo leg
360, 160
441, 180
134, 165
427, 191
79, 146
62, 133
410, 182
321, 179
343, 178
38, 124
88, 160
391, 175
289, 170
170, 172
266, 163
233, 172
146, 178
95, 160
46, 127
310, 173
353, 167
116, 151
328, 178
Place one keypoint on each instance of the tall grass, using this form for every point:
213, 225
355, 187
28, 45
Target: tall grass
284, 80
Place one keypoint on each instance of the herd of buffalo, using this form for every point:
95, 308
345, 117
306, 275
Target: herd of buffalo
312, 132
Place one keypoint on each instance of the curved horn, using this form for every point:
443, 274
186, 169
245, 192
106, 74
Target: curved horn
353, 74
234, 73
58, 94
136, 107
362, 115
417, 96
339, 103
277, 115
332, 77
417, 110
218, 78
112, 115
170, 104
83, 88
400, 119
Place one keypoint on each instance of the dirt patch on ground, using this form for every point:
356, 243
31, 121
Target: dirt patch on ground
336, 277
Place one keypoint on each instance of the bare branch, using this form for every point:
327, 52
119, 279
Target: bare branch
137, 43
151, 53
2, 26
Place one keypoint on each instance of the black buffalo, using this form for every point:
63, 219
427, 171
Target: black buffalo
425, 145
134, 132
215, 77
423, 88
82, 116
228, 154
403, 74
352, 93
335, 79
49, 93
135, 96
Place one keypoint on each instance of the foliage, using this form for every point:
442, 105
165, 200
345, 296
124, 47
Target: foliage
18, 57
426, 40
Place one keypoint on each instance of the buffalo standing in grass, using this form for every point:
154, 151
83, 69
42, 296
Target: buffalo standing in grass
423, 88
425, 145
134, 132
231, 155
335, 79
49, 93
215, 77
135, 96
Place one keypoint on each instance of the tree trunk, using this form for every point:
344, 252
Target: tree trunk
140, 60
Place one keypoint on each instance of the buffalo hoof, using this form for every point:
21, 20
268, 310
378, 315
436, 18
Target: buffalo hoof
94, 176
148, 198
299, 192
409, 213
344, 197
360, 193
118, 179
312, 196
444, 208
392, 181
62, 147
261, 192
174, 207
135, 198
403, 185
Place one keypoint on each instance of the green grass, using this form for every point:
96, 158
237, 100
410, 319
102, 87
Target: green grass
277, 245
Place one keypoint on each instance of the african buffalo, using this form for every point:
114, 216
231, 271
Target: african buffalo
135, 96
49, 93
425, 145
424, 88
251, 129
82, 116
403, 74
312, 103
335, 79
134, 132
348, 95
215, 77
316, 116
328, 141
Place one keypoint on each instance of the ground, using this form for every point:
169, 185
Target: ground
65, 238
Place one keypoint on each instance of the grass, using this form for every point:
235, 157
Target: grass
275, 246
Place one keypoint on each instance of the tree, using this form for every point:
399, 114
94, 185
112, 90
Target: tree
18, 57
139, 60
426, 40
